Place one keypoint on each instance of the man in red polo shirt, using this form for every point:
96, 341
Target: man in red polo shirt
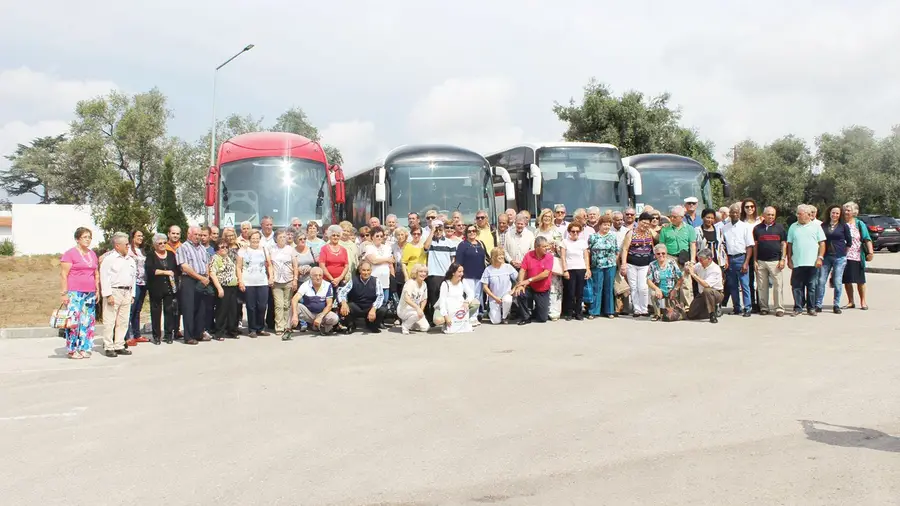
533, 288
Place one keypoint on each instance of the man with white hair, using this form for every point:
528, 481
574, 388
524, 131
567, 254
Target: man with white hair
708, 276
193, 259
390, 224
559, 219
593, 218
266, 226
374, 222
681, 244
691, 216
312, 303
118, 274
519, 241
805, 254
244, 239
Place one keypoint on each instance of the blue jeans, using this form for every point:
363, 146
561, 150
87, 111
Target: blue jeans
602, 285
836, 264
257, 298
738, 282
134, 329
803, 285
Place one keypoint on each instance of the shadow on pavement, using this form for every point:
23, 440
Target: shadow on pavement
850, 437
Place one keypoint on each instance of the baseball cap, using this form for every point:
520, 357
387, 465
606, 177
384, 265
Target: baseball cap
691, 200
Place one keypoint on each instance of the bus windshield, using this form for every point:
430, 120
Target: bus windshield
274, 186
417, 187
667, 188
582, 177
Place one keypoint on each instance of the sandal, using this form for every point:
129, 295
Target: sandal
76, 355
864, 308
590, 317
849, 306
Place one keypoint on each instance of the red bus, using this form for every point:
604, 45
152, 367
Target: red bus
277, 174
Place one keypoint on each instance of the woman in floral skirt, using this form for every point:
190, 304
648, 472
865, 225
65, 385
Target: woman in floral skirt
80, 285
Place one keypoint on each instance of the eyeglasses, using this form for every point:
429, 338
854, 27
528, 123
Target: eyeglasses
559, 212
481, 217
301, 238
472, 231
417, 233
430, 217
660, 254
575, 231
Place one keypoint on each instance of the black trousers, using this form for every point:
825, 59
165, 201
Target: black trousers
270, 311
194, 308
226, 307
534, 306
363, 312
573, 293
433, 283
166, 307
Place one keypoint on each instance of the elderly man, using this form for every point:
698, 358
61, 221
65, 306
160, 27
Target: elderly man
619, 228
390, 223
246, 229
519, 241
533, 289
593, 217
691, 216
441, 253
312, 303
630, 218
738, 237
214, 235
559, 219
805, 254
412, 220
485, 233
118, 274
374, 222
268, 232
708, 276
770, 252
681, 244
502, 228
580, 217
430, 216
195, 296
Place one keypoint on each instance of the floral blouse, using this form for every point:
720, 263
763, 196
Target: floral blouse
224, 269
604, 250
665, 276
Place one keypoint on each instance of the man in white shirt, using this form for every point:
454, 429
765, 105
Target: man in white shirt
559, 219
519, 241
117, 278
738, 237
708, 276
267, 240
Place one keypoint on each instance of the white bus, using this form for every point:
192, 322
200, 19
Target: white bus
576, 174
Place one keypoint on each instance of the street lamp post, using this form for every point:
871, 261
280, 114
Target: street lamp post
212, 137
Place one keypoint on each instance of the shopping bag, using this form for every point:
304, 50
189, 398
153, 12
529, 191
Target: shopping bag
459, 322
60, 319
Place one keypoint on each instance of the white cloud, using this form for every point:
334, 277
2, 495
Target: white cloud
356, 139
25, 92
474, 113
18, 132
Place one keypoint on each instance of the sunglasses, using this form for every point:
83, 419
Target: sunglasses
430, 217
629, 214
560, 212
660, 254
472, 231
481, 217
749, 206
417, 233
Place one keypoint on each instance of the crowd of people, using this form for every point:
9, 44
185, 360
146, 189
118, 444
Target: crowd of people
442, 272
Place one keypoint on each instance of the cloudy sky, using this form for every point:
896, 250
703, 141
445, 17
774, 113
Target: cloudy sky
373, 75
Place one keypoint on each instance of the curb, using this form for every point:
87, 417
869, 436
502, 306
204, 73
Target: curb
45, 332
882, 270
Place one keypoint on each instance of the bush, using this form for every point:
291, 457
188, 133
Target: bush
7, 248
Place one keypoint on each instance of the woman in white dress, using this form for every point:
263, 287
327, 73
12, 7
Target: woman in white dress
454, 297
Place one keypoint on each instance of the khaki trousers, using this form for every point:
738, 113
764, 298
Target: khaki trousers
704, 304
328, 321
117, 318
281, 296
768, 275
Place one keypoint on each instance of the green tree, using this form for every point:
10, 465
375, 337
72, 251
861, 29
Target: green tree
170, 212
39, 169
123, 213
118, 137
777, 174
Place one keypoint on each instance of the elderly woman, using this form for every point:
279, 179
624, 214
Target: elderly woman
286, 271
576, 265
80, 285
333, 258
411, 309
413, 252
312, 237
255, 276
362, 297
554, 235
859, 252
663, 278
604, 253
162, 271
312, 304
497, 282
381, 258
223, 274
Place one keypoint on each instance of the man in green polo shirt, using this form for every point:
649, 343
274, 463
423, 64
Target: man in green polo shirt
680, 240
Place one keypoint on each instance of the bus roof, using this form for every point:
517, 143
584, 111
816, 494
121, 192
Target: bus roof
557, 144
662, 161
262, 144
422, 153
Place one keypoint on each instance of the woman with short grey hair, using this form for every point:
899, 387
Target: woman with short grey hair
663, 277
859, 252
161, 269
333, 258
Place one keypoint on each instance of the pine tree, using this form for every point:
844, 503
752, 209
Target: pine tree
123, 213
170, 212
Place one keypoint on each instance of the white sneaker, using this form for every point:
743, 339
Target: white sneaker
404, 331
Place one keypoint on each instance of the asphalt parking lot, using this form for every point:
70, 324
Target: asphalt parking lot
800, 411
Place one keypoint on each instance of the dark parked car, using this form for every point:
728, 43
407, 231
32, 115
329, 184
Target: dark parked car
885, 231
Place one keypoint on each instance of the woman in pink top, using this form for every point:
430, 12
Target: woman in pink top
80, 285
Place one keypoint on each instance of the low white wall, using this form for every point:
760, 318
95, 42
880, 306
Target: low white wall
42, 229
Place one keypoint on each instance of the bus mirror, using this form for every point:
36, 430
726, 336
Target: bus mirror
379, 192
637, 183
726, 189
510, 190
536, 179
212, 186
